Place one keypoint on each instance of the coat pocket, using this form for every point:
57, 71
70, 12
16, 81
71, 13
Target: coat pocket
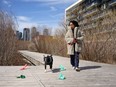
70, 49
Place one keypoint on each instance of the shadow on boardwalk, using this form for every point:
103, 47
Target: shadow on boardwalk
56, 70
89, 67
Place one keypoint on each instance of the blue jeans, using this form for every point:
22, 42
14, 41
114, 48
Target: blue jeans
74, 59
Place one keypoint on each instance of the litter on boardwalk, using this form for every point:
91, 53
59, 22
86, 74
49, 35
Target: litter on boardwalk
21, 76
61, 76
24, 67
62, 68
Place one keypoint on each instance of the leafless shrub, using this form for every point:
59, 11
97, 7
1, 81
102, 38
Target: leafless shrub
50, 44
7, 38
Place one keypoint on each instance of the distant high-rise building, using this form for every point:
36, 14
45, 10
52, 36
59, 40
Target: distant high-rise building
26, 34
37, 33
19, 35
46, 32
33, 32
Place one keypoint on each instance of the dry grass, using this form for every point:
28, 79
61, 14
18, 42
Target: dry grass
17, 60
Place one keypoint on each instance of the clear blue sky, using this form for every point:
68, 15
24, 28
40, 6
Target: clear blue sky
37, 12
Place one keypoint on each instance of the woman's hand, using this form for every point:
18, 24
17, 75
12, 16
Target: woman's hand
74, 40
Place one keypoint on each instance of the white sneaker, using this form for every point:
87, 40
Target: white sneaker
45, 71
73, 67
77, 69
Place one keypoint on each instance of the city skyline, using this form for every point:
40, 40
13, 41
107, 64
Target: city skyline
31, 13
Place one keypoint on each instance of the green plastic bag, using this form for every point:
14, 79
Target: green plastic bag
21, 76
62, 68
61, 76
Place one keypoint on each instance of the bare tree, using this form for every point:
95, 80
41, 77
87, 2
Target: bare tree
61, 30
7, 38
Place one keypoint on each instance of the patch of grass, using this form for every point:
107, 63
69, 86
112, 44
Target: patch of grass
19, 60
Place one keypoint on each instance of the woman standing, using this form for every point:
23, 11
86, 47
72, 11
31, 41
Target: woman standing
74, 38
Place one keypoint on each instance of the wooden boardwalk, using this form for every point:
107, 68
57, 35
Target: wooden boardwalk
92, 74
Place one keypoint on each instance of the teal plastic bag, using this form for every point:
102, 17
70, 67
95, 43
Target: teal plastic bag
62, 68
61, 76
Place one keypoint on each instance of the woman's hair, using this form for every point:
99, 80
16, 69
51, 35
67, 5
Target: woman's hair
75, 23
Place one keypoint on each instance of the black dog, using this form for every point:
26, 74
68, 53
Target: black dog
48, 61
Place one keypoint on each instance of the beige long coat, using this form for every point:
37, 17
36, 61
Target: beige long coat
78, 34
